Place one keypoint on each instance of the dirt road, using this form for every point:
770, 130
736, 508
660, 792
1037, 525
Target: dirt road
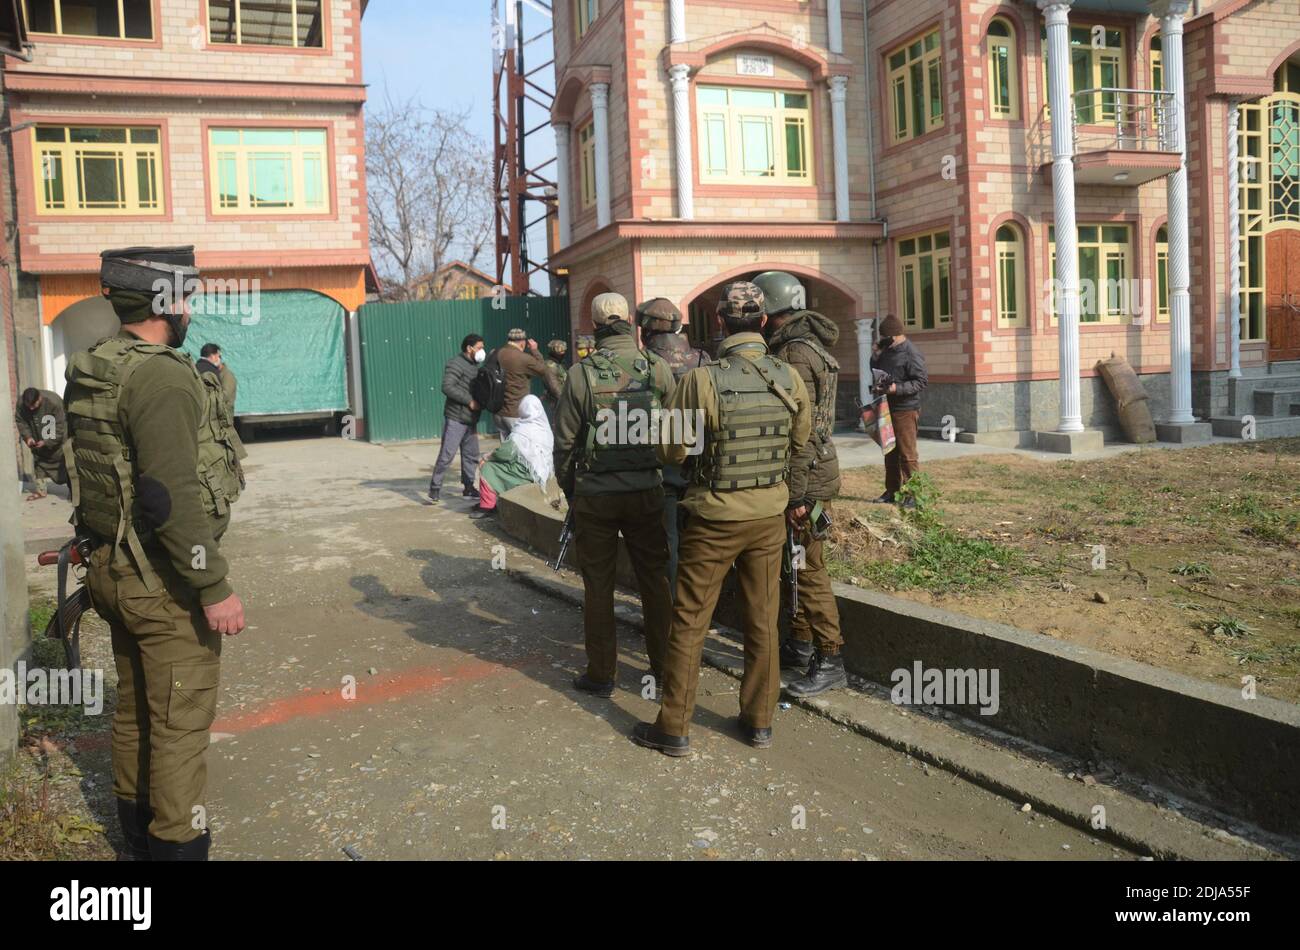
399, 695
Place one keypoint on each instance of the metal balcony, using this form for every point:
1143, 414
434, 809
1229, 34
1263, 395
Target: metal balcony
1124, 137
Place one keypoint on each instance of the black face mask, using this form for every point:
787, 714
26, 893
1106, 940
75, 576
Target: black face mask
886, 342
179, 328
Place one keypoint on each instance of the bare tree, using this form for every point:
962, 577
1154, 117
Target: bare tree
430, 197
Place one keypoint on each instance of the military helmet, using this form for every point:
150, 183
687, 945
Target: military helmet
781, 291
557, 347
585, 345
740, 298
659, 315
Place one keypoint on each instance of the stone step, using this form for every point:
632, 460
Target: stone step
1266, 427
1275, 402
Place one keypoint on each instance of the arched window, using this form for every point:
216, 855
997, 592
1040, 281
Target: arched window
1162, 275
1009, 248
1004, 85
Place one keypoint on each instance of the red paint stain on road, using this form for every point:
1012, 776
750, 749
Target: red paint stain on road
315, 703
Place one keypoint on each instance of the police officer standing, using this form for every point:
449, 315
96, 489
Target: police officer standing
661, 334
608, 466
156, 473
554, 377
802, 338
755, 416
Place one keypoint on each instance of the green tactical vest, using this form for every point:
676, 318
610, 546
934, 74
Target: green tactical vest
823, 410
103, 486
751, 448
626, 388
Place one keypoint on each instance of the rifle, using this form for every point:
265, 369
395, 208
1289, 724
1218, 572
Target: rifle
566, 535
791, 569
65, 625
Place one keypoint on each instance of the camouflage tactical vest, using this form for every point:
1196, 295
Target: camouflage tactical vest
751, 448
103, 458
622, 389
823, 409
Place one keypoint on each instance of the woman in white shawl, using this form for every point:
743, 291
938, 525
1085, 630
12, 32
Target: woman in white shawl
524, 457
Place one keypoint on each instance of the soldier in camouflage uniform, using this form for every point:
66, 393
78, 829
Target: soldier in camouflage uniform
156, 471
583, 347
661, 334
756, 415
554, 377
803, 339
613, 482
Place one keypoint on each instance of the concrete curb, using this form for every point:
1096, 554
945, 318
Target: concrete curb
1198, 740
1135, 824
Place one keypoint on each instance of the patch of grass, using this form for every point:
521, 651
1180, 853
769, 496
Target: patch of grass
936, 557
1225, 626
1192, 569
32, 828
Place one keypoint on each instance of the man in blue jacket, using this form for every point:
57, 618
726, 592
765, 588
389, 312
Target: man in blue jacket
461, 412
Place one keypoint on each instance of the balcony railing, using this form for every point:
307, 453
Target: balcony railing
1138, 120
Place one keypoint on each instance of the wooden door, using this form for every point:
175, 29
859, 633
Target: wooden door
1282, 294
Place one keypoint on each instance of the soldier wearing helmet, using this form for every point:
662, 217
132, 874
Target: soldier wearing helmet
754, 414
661, 334
803, 339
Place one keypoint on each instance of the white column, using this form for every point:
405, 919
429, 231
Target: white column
834, 27
683, 161
864, 358
677, 21
840, 135
1180, 316
600, 121
52, 381
563, 181
1234, 238
1057, 13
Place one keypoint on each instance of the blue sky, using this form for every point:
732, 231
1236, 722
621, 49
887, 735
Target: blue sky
439, 50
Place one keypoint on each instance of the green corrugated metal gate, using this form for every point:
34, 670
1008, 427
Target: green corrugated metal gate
404, 347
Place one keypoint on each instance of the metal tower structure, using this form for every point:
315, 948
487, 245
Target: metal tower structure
524, 196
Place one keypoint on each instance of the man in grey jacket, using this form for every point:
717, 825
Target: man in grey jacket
461, 412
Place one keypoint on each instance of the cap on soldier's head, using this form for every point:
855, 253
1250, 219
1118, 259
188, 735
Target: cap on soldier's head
782, 292
608, 308
659, 315
558, 346
740, 298
516, 335
139, 278
586, 343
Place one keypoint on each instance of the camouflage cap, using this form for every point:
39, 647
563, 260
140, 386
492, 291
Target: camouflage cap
585, 344
557, 346
659, 316
516, 335
741, 298
608, 308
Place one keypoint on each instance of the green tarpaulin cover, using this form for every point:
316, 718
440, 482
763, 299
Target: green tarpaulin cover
285, 348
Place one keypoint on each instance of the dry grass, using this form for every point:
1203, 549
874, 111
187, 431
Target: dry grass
1202, 552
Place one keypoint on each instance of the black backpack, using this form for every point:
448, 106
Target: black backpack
489, 385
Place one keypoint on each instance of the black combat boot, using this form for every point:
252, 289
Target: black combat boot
826, 672
758, 738
196, 850
796, 655
134, 817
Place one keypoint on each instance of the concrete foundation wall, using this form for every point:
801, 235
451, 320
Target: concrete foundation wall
1193, 738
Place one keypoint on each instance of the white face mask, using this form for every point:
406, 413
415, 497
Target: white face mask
480, 356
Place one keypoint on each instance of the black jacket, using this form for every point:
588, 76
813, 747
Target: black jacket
456, 377
906, 365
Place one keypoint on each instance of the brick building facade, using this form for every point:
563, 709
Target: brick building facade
236, 128
898, 156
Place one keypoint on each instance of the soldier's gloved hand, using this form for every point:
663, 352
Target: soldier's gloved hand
226, 617
797, 515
